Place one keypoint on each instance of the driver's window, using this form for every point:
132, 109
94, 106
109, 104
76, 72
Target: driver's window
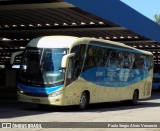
78, 59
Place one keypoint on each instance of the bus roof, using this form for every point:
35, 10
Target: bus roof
70, 41
52, 41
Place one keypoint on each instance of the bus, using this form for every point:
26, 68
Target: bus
69, 70
156, 78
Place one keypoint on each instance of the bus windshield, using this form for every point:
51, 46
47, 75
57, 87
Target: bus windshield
42, 66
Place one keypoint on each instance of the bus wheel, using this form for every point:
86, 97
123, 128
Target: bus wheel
83, 101
135, 97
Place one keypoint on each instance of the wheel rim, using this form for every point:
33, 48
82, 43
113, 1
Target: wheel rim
83, 101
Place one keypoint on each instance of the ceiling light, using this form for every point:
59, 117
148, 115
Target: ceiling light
14, 25
39, 25
65, 24
107, 37
56, 24
82, 23
101, 23
48, 24
30, 25
114, 37
6, 26
121, 37
22, 25
136, 37
92, 23
21, 47
5, 39
74, 23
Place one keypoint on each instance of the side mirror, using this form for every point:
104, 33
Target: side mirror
65, 60
14, 55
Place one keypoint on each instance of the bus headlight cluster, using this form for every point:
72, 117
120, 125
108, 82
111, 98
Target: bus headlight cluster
55, 93
20, 91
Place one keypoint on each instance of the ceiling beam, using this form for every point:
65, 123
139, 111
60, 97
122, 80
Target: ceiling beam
36, 6
130, 41
66, 28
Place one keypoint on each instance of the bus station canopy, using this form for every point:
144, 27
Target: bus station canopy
21, 22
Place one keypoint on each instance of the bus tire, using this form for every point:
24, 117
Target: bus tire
135, 97
83, 101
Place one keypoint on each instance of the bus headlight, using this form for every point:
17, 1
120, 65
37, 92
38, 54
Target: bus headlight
20, 91
55, 93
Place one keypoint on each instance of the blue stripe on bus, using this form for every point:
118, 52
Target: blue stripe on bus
39, 90
114, 77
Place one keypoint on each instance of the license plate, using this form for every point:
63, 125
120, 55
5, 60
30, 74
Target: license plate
35, 100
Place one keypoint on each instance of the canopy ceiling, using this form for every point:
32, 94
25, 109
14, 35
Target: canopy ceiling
21, 22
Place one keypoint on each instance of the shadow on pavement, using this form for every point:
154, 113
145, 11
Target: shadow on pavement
13, 108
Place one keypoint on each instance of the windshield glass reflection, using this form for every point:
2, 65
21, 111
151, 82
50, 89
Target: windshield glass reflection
42, 66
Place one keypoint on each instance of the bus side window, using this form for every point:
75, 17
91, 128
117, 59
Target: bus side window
120, 59
112, 61
101, 55
126, 60
90, 60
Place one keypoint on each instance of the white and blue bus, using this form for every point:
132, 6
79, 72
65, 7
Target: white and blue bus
67, 70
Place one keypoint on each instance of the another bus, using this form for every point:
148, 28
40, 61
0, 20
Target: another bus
156, 78
67, 70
